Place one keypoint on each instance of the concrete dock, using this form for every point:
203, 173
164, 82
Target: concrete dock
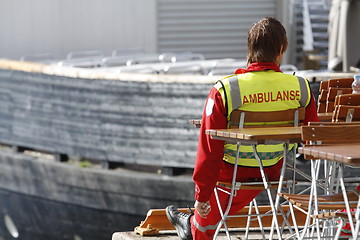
171, 235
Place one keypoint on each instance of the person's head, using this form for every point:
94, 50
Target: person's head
267, 41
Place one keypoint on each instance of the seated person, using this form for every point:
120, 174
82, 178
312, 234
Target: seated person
259, 87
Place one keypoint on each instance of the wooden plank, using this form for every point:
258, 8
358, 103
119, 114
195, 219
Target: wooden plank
259, 134
195, 122
331, 132
156, 220
344, 153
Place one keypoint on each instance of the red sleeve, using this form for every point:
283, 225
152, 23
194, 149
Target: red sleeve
210, 152
311, 111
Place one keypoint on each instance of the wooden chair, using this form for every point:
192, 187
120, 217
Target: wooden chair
340, 82
345, 100
283, 118
249, 119
344, 113
348, 99
323, 90
328, 92
332, 93
317, 206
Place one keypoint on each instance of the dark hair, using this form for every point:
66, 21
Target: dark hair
265, 39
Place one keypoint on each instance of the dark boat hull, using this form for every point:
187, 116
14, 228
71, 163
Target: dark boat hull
50, 200
133, 119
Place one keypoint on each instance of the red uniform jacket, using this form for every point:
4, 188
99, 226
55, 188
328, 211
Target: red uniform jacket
210, 152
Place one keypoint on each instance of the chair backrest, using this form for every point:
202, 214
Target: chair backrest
332, 93
329, 90
345, 113
348, 99
340, 82
322, 101
323, 90
334, 123
324, 85
283, 118
334, 134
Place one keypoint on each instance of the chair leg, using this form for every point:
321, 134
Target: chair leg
279, 189
249, 219
224, 215
266, 184
314, 173
357, 217
346, 200
338, 230
223, 218
259, 219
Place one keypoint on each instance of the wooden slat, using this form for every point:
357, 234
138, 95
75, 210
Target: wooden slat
325, 116
286, 134
196, 122
340, 82
335, 201
330, 215
349, 99
356, 123
334, 132
267, 117
324, 85
346, 113
322, 101
332, 93
352, 196
156, 219
344, 153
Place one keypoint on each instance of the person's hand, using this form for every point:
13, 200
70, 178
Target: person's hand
202, 208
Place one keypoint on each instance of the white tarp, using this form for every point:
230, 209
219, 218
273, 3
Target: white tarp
344, 35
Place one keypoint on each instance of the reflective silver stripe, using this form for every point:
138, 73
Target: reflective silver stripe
204, 229
304, 92
235, 93
250, 155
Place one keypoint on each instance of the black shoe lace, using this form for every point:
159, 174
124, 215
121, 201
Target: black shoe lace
183, 215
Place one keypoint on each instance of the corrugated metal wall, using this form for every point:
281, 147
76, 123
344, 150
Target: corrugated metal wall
62, 26
216, 29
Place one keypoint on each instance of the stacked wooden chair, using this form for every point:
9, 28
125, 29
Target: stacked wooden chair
328, 92
323, 210
346, 108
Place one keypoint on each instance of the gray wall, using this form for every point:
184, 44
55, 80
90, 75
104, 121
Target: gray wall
62, 26
216, 29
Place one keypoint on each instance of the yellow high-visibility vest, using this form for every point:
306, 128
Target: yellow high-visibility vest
261, 91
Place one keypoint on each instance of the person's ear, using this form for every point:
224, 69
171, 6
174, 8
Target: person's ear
281, 50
